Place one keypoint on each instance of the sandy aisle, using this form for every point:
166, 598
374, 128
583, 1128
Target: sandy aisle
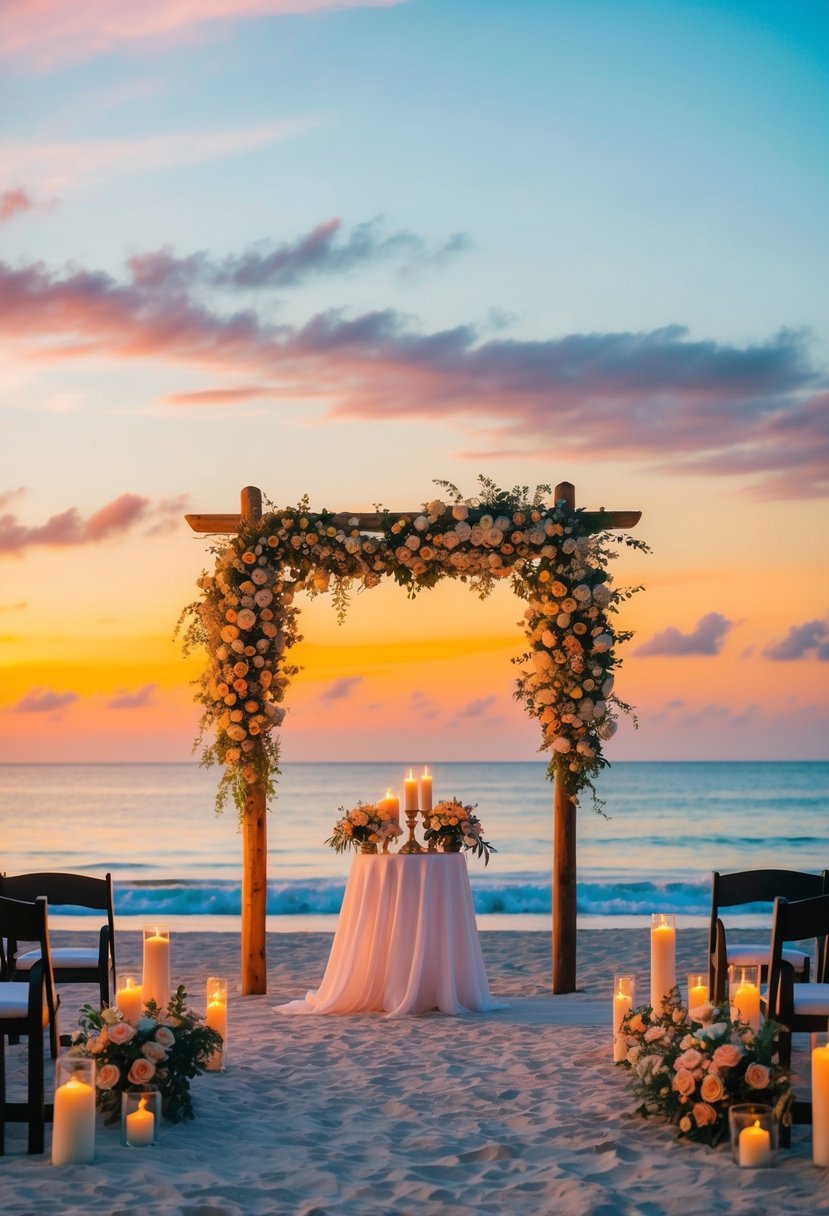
518, 1111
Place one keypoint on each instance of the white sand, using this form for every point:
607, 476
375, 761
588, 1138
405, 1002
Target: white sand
519, 1111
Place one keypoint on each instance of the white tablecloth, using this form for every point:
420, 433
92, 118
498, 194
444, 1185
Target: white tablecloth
406, 942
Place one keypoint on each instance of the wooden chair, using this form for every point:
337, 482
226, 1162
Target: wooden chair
751, 887
26, 1008
798, 1007
71, 964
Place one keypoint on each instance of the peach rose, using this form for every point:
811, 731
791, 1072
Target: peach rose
689, 1059
655, 1032
107, 1076
121, 1033
757, 1076
727, 1055
684, 1082
165, 1036
712, 1088
153, 1051
704, 1115
141, 1071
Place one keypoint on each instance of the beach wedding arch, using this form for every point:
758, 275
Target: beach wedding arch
557, 558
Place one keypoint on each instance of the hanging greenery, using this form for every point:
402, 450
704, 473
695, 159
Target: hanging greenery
556, 557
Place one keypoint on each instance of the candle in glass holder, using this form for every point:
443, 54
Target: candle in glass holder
140, 1125
425, 792
216, 1018
755, 1146
663, 958
697, 990
410, 791
73, 1126
820, 1104
156, 984
130, 999
745, 995
623, 988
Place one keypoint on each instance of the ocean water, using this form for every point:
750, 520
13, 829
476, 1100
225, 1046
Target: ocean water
172, 858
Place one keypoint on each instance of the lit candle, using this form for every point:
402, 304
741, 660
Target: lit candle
410, 788
130, 999
141, 1125
755, 1146
216, 1017
425, 792
157, 965
73, 1130
663, 959
392, 804
820, 1105
697, 991
622, 1005
746, 1003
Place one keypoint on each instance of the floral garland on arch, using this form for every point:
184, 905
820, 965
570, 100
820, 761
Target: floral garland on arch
247, 618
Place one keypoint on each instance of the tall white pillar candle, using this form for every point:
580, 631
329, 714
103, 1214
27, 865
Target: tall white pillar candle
157, 965
820, 1105
426, 792
663, 958
410, 791
73, 1125
622, 1005
216, 1018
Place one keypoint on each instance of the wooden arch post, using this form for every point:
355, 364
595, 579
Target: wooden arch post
564, 854
254, 846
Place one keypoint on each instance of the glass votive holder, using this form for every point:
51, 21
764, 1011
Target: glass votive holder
754, 1135
156, 979
697, 989
129, 998
216, 1018
73, 1119
140, 1117
624, 990
744, 993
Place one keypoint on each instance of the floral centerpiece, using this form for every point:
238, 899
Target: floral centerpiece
690, 1067
365, 824
452, 823
163, 1051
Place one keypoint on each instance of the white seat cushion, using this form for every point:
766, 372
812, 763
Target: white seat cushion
14, 1001
64, 956
758, 955
811, 1000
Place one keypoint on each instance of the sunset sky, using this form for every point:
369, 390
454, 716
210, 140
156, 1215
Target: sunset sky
348, 248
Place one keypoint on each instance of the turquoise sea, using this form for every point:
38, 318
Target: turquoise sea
668, 825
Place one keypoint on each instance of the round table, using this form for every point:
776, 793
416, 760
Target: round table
406, 941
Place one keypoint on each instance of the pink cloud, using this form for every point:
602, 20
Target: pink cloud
692, 406
14, 202
220, 396
133, 700
69, 528
53, 32
341, 689
802, 642
706, 638
44, 701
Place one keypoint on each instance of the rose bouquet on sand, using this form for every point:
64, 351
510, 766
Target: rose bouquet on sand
690, 1067
451, 821
163, 1050
365, 823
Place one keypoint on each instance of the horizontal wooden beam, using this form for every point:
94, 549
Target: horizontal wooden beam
369, 521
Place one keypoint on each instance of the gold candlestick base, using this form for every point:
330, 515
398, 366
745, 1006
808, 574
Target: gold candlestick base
411, 846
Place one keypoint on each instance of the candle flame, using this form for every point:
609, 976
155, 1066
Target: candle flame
426, 771
142, 1102
756, 1122
410, 776
388, 793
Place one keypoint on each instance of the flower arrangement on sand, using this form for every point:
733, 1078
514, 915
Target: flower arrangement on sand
556, 557
163, 1050
366, 823
451, 820
690, 1067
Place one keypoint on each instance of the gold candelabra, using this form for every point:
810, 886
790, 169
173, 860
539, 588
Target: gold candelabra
411, 845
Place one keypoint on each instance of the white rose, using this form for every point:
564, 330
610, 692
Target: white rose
421, 523
607, 687
494, 536
582, 593
602, 595
463, 531
561, 744
413, 543
459, 511
259, 576
263, 597
246, 619
451, 539
601, 643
